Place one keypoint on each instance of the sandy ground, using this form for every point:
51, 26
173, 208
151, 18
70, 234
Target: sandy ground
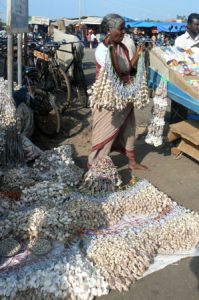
177, 178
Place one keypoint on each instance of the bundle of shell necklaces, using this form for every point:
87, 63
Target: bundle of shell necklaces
156, 126
11, 152
60, 243
111, 93
101, 177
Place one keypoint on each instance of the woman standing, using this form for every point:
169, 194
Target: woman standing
114, 130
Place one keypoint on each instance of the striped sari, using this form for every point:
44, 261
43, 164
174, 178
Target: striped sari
113, 130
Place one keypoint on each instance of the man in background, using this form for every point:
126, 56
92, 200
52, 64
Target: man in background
190, 39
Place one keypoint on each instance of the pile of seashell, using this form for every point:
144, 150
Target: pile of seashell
102, 177
9, 247
60, 222
119, 230
111, 93
17, 179
57, 164
9, 201
40, 246
11, 152
141, 199
65, 277
5, 205
37, 222
176, 232
123, 258
45, 193
85, 214
156, 126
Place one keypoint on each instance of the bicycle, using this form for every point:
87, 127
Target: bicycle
49, 87
51, 76
78, 78
43, 104
3, 57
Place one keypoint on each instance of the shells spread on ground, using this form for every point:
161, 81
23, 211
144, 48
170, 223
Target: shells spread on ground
110, 237
39, 246
9, 247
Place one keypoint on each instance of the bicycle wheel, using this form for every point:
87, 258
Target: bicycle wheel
40, 103
48, 123
63, 90
80, 82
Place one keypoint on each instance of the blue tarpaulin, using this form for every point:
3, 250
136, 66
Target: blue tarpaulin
140, 24
161, 26
128, 20
171, 27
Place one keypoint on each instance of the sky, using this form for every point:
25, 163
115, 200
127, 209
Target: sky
135, 9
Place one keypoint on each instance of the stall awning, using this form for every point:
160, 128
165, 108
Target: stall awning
38, 20
141, 24
171, 27
92, 21
161, 26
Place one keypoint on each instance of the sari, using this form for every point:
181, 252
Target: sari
113, 130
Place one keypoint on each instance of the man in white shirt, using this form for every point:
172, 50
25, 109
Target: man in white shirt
190, 39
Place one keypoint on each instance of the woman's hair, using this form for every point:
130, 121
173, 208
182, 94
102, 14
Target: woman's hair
111, 21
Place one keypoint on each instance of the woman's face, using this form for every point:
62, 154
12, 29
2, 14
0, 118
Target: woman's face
117, 34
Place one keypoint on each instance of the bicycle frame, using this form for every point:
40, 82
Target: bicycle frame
73, 52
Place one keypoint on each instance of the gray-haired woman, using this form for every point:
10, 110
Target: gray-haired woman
114, 130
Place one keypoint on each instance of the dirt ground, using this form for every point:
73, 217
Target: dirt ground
176, 177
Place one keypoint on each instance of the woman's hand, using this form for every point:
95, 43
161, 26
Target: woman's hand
140, 48
138, 52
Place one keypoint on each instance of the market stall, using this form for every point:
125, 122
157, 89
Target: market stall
180, 72
179, 86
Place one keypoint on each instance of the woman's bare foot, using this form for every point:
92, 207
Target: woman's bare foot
135, 166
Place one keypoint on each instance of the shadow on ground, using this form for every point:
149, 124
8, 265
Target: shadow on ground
194, 266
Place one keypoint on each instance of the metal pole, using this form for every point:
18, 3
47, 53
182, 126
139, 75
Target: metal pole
19, 59
80, 20
79, 12
10, 65
25, 50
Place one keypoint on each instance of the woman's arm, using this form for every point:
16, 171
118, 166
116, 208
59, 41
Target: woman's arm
115, 62
137, 54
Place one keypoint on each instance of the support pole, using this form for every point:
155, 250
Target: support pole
25, 54
10, 65
19, 59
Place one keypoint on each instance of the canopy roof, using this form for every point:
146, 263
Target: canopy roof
171, 27
161, 26
92, 21
38, 20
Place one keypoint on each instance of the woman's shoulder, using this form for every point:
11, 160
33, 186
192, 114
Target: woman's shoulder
101, 53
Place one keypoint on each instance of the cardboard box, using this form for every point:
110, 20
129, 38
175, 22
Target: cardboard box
188, 131
189, 148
